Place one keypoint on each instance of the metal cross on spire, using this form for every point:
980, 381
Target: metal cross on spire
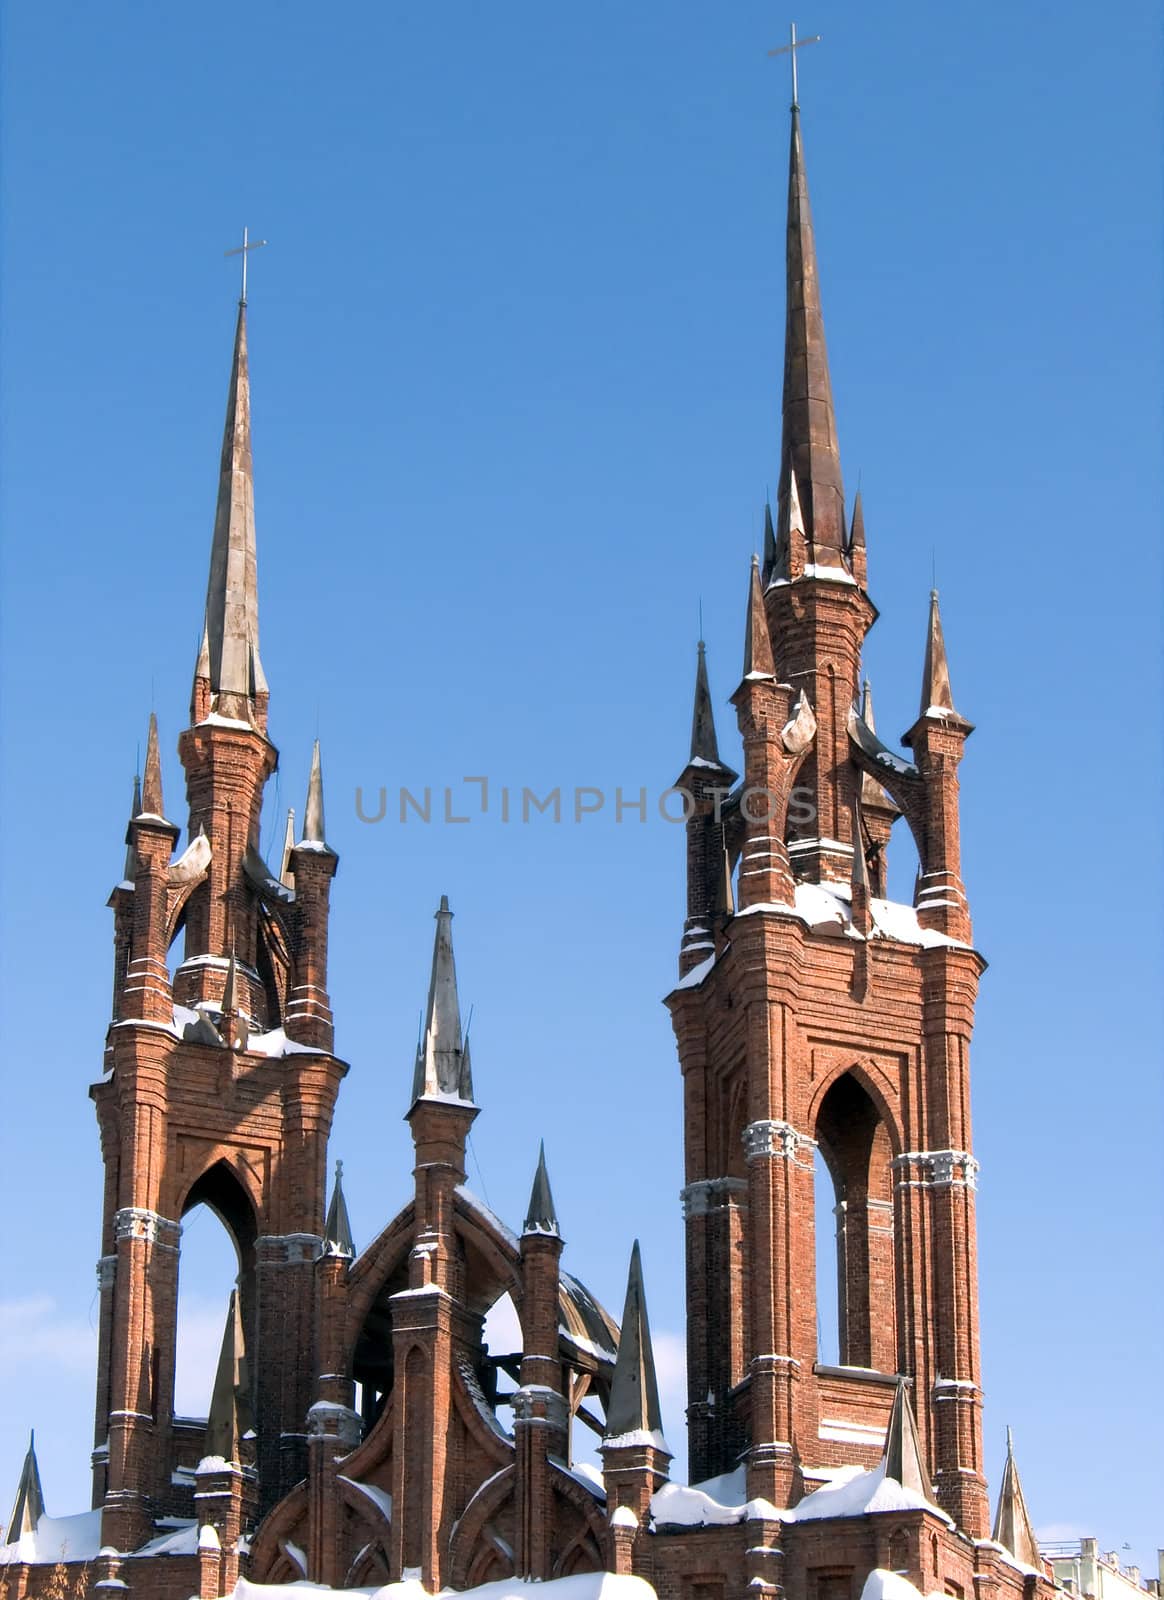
243, 250
790, 49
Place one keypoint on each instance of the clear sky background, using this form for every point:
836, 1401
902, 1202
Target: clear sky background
516, 350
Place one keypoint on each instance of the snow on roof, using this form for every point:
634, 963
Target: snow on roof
637, 1438
181, 1541
697, 974
883, 1585
584, 1586
276, 1043
856, 1493
819, 905
380, 1498
76, 1538
473, 1203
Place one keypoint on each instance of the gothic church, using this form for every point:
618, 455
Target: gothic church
361, 1430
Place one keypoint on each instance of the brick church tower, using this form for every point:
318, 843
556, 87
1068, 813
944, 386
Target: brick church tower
362, 1429
813, 1015
183, 1120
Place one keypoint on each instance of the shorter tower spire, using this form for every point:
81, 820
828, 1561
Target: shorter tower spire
337, 1230
151, 802
936, 696
704, 746
758, 660
285, 873
1012, 1522
634, 1415
313, 832
443, 1070
130, 872
28, 1507
230, 1406
540, 1215
903, 1455
768, 569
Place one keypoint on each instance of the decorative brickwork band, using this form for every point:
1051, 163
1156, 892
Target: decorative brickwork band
779, 1139
134, 1222
937, 1169
713, 1194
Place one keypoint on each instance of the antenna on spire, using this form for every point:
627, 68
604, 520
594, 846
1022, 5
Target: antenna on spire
243, 250
790, 49
701, 619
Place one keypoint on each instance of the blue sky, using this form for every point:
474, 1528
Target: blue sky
516, 355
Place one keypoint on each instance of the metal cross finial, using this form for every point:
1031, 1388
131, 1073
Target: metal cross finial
790, 49
247, 245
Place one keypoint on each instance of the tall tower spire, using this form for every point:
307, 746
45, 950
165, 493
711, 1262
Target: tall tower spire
230, 655
809, 441
442, 1056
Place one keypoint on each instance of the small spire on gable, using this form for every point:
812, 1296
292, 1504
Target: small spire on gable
540, 1215
704, 746
337, 1230
903, 1456
151, 802
230, 1405
936, 696
634, 1415
443, 1069
758, 659
28, 1507
1012, 1522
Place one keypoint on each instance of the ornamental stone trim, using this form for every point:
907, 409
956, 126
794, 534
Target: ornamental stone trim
106, 1271
326, 1419
289, 1249
706, 1195
536, 1395
135, 1222
779, 1139
937, 1169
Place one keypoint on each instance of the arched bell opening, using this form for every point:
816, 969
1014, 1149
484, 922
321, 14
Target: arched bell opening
857, 1151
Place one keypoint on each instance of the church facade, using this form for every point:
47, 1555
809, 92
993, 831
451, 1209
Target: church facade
361, 1429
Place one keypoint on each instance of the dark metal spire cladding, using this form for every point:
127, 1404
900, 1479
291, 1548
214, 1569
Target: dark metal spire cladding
28, 1507
230, 1404
936, 695
903, 1455
810, 432
232, 596
758, 660
337, 1230
634, 1391
1012, 1522
442, 1055
541, 1216
704, 746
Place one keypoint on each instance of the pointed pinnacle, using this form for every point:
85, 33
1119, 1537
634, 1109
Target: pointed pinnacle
230, 1408
767, 570
809, 442
758, 661
936, 697
285, 874
634, 1390
337, 1230
727, 898
232, 606
1012, 1521
230, 988
313, 811
704, 746
28, 1507
130, 872
202, 665
903, 1457
440, 1058
857, 526
867, 706
860, 872
540, 1215
151, 788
